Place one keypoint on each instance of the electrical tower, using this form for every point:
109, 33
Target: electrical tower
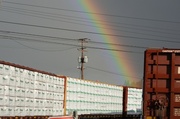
83, 58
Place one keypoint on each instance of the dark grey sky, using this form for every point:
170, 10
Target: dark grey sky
145, 24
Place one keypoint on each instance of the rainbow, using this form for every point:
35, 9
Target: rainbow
120, 63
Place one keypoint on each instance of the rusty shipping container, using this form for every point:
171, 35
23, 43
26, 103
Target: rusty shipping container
161, 94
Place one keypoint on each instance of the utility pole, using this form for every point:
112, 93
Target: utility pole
82, 59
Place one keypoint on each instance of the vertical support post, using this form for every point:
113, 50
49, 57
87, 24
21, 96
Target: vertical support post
171, 101
82, 59
65, 94
125, 100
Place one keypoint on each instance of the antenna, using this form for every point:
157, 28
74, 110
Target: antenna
82, 59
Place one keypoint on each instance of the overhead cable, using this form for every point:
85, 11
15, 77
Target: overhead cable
89, 32
110, 15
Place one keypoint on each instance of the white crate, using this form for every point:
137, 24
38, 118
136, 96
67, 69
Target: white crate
22, 111
26, 83
51, 79
31, 84
43, 86
26, 109
41, 77
35, 111
6, 79
17, 111
27, 93
12, 81
12, 101
36, 85
18, 84
54, 80
22, 81
2, 111
1, 69
6, 100
1, 80
6, 90
31, 111
50, 111
18, 91
17, 101
17, 72
23, 92
6, 69
36, 103
47, 103
21, 72
22, 102
36, 94
51, 103
31, 101
12, 91
12, 71
1, 90
2, 100
46, 78
27, 102
46, 111
43, 93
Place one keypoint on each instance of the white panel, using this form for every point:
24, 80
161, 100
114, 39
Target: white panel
26, 83
36, 95
21, 72
22, 102
12, 101
1, 69
23, 91
6, 69
12, 91
36, 103
6, 100
26, 109
1, 80
31, 101
27, 102
2, 111
18, 91
54, 80
17, 72
31, 111
1, 90
6, 90
22, 81
18, 101
6, 80
43, 86
1, 100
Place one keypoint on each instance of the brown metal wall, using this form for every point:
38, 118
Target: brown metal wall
161, 94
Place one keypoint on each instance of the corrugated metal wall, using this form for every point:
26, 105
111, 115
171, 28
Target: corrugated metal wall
162, 83
30, 93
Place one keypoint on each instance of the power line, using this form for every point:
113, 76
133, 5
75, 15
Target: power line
110, 15
79, 19
112, 72
97, 33
62, 38
104, 27
34, 40
43, 49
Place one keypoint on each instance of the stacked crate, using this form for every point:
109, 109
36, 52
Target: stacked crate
28, 93
87, 97
134, 101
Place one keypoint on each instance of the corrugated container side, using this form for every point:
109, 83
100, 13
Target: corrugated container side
162, 83
24, 92
88, 97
